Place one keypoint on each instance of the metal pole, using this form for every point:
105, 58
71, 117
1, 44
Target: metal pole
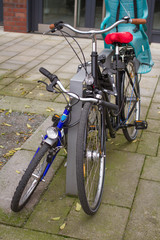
75, 13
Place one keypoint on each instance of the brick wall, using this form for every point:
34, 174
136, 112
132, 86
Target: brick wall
15, 15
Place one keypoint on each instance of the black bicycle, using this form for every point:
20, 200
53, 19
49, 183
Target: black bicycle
111, 100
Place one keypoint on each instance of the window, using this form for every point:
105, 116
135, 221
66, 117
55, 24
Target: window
58, 10
156, 19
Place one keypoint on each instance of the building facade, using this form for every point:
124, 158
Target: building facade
35, 15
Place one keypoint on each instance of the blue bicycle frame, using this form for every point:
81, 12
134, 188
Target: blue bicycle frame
60, 125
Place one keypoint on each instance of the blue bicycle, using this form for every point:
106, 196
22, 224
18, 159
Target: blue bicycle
111, 74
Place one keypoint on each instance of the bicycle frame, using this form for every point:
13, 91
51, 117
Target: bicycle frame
58, 141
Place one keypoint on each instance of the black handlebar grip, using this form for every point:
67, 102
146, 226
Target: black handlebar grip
45, 72
53, 78
109, 105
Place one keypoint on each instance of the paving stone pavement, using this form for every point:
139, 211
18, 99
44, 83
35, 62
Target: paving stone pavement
130, 206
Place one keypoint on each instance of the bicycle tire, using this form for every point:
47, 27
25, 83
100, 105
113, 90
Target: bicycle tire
90, 157
30, 179
130, 101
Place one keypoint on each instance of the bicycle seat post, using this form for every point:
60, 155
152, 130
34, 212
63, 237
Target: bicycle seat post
118, 98
94, 59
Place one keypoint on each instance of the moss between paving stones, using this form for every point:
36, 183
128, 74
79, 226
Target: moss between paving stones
120, 143
148, 144
53, 204
107, 224
154, 111
122, 176
153, 125
36, 106
151, 170
10, 233
17, 89
14, 219
144, 223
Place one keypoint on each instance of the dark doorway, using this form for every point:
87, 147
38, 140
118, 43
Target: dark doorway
1, 12
153, 21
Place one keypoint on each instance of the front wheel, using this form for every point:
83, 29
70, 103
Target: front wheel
30, 179
90, 160
131, 101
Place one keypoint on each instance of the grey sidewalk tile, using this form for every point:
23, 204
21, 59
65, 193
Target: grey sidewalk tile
108, 223
156, 98
37, 136
154, 111
71, 68
120, 143
43, 57
18, 73
10, 176
17, 48
9, 179
31, 77
158, 87
151, 170
55, 61
147, 92
33, 52
17, 89
33, 63
155, 51
145, 101
3, 58
144, 223
10, 66
11, 233
1, 86
8, 53
159, 150
41, 95
148, 82
60, 99
122, 175
153, 125
6, 80
64, 77
148, 144
14, 219
50, 67
24, 59
4, 72
35, 106
154, 73
54, 204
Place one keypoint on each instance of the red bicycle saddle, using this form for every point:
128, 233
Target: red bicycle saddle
119, 37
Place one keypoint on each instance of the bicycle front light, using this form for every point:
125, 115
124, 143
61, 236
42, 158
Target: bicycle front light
52, 132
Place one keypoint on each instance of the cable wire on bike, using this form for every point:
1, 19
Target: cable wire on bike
63, 93
84, 59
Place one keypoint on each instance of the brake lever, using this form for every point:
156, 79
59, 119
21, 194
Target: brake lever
45, 33
50, 31
49, 87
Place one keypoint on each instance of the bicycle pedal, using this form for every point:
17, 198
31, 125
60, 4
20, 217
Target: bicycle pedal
141, 124
92, 127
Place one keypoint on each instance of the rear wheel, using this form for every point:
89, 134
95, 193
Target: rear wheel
90, 160
30, 179
131, 101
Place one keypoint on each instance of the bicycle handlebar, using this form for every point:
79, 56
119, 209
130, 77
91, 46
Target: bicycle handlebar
54, 80
138, 21
101, 102
60, 25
